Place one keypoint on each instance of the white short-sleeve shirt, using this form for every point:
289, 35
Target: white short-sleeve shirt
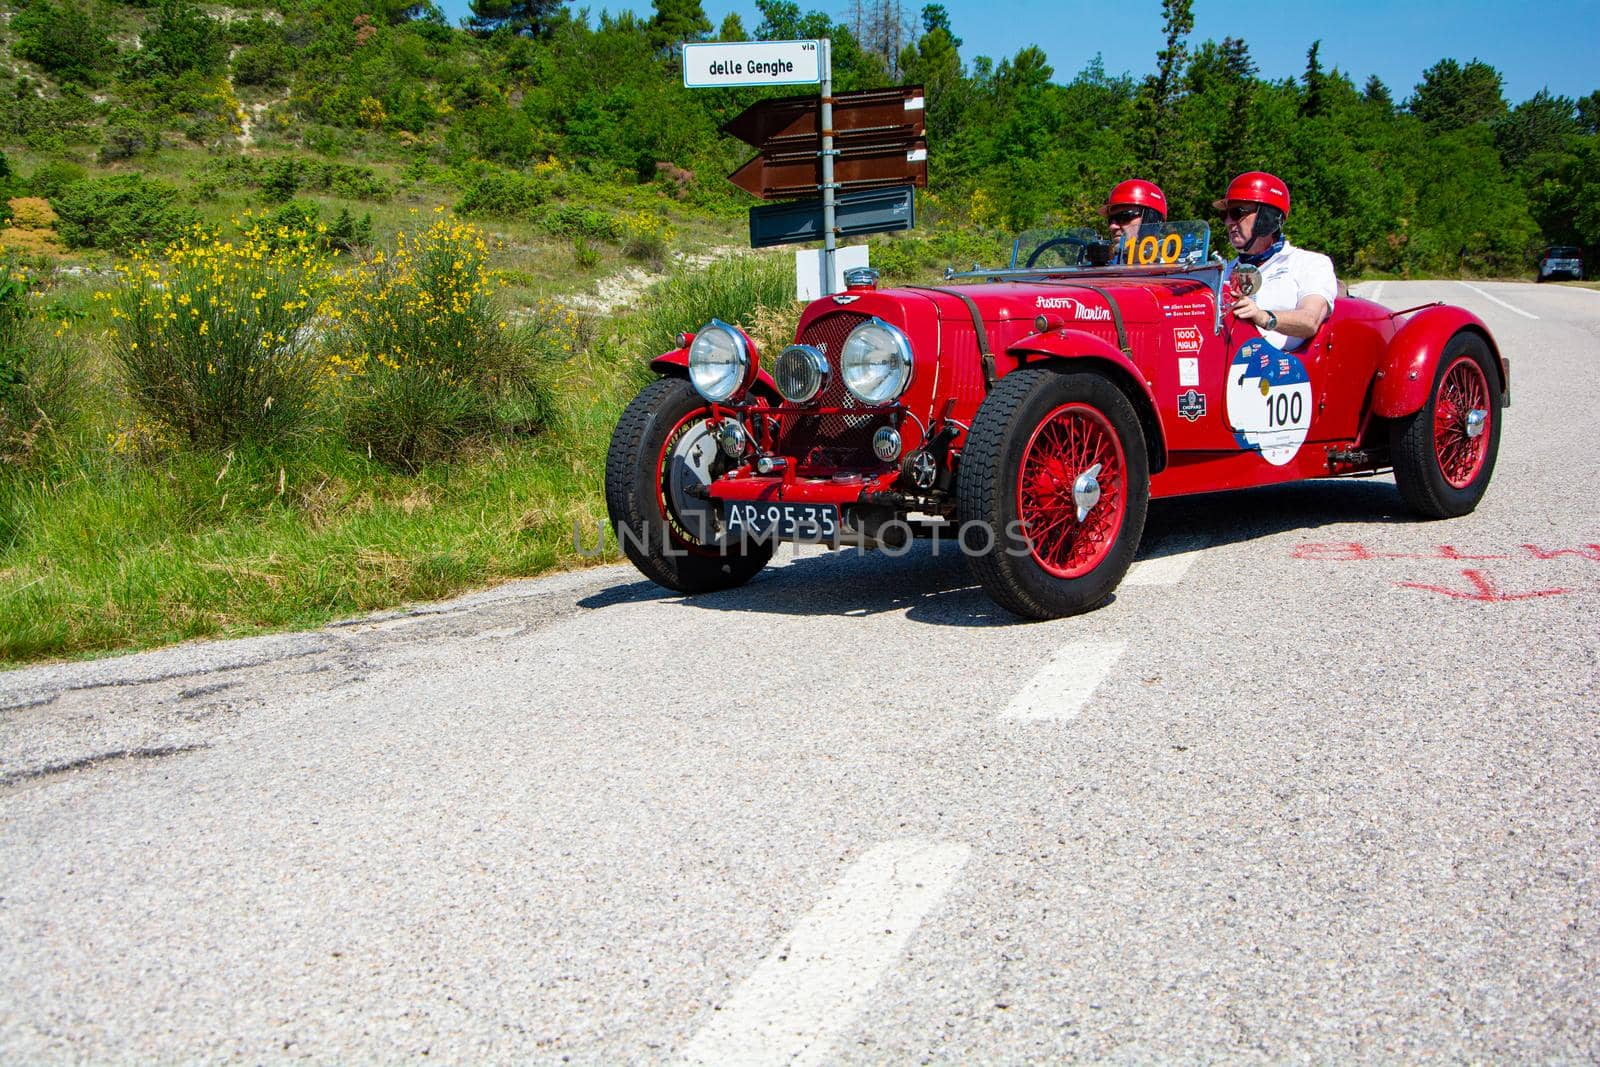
1288, 278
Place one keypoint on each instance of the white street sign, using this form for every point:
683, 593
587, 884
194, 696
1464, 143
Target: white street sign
716, 65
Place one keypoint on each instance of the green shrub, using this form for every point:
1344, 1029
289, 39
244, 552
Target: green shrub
216, 338
120, 212
504, 194
67, 39
268, 65
430, 364
281, 177
573, 220
52, 179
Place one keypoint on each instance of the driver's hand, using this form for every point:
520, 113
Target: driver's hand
1245, 308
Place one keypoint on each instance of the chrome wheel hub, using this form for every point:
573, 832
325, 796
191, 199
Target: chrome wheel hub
1475, 421
1086, 491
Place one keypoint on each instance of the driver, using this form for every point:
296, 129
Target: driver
1297, 286
1132, 204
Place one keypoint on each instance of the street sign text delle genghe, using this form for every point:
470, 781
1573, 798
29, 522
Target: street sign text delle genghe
722, 64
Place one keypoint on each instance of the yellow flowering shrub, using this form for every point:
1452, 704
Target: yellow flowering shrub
428, 359
217, 337
32, 228
645, 236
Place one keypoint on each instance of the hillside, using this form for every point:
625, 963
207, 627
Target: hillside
317, 308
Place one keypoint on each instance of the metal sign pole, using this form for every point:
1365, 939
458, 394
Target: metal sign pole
829, 237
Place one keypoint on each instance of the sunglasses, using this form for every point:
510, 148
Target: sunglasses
1238, 211
1125, 216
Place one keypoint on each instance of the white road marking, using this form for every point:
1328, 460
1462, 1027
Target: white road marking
1065, 684
814, 983
1497, 300
1168, 569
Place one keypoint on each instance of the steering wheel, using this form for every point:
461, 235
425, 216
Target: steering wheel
1053, 242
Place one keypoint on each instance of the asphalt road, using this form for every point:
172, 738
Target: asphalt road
1321, 783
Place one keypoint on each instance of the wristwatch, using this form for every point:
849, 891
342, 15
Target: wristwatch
1272, 321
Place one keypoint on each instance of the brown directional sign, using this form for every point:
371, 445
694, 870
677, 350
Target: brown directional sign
873, 114
858, 165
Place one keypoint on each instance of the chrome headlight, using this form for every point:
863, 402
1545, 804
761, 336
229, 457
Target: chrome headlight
719, 361
800, 372
876, 362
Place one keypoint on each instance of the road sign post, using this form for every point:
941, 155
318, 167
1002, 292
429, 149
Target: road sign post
830, 235
866, 140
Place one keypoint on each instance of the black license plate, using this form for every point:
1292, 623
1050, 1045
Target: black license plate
785, 522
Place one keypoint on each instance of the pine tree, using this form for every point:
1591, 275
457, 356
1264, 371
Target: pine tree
1156, 107
532, 17
678, 21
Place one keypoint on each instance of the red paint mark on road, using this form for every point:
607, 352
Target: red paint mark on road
1582, 552
1356, 552
1482, 589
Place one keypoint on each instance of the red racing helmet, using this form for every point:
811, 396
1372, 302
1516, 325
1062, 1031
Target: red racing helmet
1259, 187
1136, 192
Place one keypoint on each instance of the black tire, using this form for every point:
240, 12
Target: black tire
1014, 570
1421, 449
673, 539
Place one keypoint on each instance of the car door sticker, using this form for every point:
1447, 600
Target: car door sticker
1188, 371
1269, 401
1192, 404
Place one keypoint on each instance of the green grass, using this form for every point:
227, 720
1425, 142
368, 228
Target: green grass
104, 552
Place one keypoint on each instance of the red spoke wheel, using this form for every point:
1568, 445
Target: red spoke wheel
1073, 455
1444, 454
662, 454
1056, 479
1461, 408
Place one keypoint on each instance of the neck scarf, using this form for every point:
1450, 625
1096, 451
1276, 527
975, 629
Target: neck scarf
1261, 257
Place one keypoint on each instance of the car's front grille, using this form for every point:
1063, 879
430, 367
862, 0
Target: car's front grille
831, 440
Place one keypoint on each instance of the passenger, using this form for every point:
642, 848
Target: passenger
1132, 204
1298, 287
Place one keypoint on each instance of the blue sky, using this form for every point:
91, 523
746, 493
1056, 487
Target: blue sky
1554, 43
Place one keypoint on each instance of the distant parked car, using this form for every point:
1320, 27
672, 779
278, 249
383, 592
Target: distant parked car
1561, 261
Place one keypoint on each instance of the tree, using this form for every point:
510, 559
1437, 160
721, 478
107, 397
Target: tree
1377, 94
1537, 126
677, 21
1158, 98
1452, 96
69, 40
1314, 102
732, 28
1589, 112
184, 38
882, 28
532, 17
935, 17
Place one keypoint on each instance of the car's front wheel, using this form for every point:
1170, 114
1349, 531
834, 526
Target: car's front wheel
1052, 492
1445, 453
662, 456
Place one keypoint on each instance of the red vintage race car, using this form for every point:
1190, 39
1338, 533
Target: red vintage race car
1028, 414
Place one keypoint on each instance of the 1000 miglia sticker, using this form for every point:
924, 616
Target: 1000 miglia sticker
1269, 401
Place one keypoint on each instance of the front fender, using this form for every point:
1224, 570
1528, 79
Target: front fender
1405, 374
1078, 347
678, 361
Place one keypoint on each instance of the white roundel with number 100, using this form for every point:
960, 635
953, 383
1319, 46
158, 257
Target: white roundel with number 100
1269, 401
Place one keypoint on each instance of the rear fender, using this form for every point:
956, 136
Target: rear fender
1076, 350
1405, 375
677, 362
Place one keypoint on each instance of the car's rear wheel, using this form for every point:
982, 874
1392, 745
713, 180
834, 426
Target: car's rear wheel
662, 453
1444, 454
1052, 493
